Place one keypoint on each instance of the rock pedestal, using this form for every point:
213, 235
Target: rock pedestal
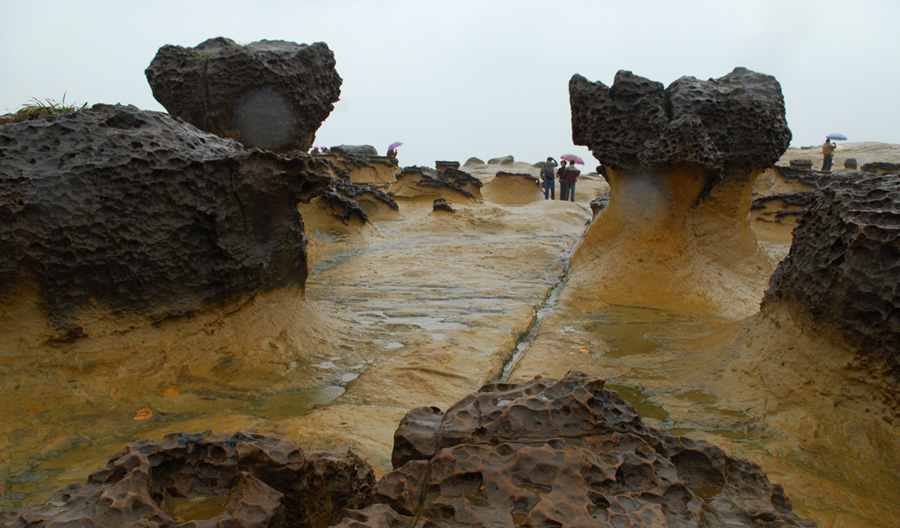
680, 162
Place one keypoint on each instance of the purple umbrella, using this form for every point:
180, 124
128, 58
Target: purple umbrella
394, 145
573, 158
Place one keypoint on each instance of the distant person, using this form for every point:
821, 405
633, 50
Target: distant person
392, 153
571, 177
827, 151
561, 176
548, 174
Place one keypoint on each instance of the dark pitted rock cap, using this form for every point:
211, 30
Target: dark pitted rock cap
270, 94
730, 125
144, 213
242, 479
562, 453
843, 268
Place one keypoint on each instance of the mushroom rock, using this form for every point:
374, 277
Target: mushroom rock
268, 94
502, 160
680, 162
346, 200
143, 213
843, 267
205, 480
562, 453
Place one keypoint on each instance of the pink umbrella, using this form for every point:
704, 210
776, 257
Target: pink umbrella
394, 145
573, 158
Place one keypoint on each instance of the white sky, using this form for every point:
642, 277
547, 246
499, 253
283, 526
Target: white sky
485, 78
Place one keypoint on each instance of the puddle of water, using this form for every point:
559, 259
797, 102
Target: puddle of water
640, 401
426, 322
295, 403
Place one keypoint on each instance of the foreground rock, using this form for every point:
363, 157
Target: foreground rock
268, 94
206, 480
844, 264
562, 453
680, 163
143, 213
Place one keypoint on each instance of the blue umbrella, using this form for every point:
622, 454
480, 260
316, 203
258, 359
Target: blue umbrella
837, 137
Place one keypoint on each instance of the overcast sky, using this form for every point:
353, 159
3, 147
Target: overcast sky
484, 78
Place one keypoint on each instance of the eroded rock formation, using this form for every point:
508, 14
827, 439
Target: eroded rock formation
562, 453
268, 94
423, 182
513, 188
680, 162
206, 480
363, 164
844, 263
143, 213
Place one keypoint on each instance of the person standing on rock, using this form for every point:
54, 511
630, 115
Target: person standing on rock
827, 151
561, 176
548, 174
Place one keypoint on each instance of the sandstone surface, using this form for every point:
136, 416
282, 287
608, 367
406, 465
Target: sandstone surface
268, 94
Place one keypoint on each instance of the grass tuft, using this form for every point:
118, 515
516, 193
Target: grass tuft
39, 109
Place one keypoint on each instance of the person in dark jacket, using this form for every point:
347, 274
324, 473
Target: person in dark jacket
571, 177
549, 177
561, 176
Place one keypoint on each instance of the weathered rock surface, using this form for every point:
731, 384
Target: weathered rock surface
733, 124
349, 200
562, 453
514, 188
416, 182
363, 164
203, 480
268, 94
143, 213
881, 167
844, 265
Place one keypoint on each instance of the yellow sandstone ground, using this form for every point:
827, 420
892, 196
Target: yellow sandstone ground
421, 307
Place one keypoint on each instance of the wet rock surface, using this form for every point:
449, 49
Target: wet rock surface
269, 94
144, 213
733, 124
562, 453
205, 480
843, 264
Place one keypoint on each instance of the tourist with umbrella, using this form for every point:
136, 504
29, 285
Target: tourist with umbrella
392, 149
570, 176
828, 150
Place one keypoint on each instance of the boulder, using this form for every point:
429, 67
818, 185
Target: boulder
143, 213
562, 453
473, 161
207, 480
730, 125
268, 94
844, 266
354, 151
851, 163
